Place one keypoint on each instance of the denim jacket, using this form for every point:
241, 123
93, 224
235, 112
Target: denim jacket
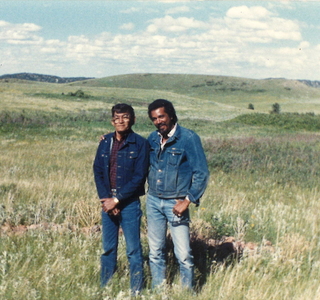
132, 163
180, 169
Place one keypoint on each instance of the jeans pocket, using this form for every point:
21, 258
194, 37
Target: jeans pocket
182, 220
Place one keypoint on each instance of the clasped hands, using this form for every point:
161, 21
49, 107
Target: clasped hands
110, 206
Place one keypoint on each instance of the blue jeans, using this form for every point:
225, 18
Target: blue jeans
159, 214
129, 220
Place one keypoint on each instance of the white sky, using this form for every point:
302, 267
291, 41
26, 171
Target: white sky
255, 39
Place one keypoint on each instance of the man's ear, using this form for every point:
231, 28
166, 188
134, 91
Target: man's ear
133, 121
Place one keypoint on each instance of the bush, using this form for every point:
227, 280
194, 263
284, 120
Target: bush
79, 94
275, 108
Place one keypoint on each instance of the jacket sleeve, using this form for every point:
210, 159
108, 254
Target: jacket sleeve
199, 166
140, 172
99, 173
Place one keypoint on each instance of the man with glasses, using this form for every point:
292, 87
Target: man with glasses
178, 176
120, 169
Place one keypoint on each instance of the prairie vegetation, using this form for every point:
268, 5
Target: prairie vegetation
263, 188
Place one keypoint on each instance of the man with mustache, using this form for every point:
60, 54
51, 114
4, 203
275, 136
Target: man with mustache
178, 176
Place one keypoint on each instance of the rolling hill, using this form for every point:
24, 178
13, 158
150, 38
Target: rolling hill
195, 96
292, 95
42, 77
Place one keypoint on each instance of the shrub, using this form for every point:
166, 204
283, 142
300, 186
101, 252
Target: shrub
275, 108
79, 94
250, 106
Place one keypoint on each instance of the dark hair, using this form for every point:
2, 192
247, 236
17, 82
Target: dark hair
168, 107
124, 108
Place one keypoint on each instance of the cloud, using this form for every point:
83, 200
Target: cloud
130, 10
245, 12
170, 24
19, 33
128, 26
179, 9
134, 10
257, 24
246, 41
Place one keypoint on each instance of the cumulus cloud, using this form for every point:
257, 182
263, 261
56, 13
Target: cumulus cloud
19, 33
179, 9
130, 10
247, 41
127, 26
170, 24
304, 45
245, 12
257, 24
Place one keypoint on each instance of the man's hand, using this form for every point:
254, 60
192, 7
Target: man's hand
181, 207
114, 212
108, 204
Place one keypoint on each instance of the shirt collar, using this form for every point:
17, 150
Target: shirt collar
172, 131
123, 137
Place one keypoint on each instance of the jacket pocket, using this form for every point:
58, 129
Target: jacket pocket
130, 159
132, 155
175, 156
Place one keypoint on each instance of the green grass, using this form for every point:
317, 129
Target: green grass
237, 92
288, 121
263, 186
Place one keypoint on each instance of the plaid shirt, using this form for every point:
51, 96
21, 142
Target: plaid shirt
113, 160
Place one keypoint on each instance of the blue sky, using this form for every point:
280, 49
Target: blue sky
254, 39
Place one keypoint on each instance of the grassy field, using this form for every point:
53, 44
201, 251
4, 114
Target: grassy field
263, 189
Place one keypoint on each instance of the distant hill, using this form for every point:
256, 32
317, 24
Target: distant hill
216, 97
188, 82
43, 78
210, 90
57, 79
209, 86
315, 84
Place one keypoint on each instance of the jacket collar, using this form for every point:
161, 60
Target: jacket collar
129, 138
176, 135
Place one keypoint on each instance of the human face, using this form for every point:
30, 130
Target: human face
162, 121
121, 122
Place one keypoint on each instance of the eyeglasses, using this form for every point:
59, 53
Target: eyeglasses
124, 118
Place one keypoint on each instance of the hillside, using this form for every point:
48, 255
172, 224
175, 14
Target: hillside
42, 77
195, 96
292, 95
263, 191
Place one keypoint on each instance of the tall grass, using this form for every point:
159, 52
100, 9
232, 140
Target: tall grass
287, 121
49, 182
263, 187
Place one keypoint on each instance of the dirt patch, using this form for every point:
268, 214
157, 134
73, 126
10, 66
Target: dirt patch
8, 229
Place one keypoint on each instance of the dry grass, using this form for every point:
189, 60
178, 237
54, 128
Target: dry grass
46, 178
